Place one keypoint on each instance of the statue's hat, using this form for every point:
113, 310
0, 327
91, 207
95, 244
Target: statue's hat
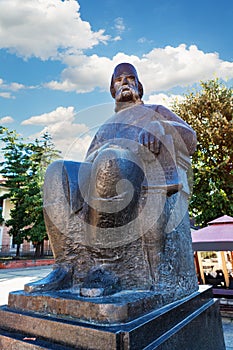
125, 68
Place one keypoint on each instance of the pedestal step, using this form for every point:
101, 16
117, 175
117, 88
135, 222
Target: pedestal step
192, 323
118, 308
20, 341
52, 329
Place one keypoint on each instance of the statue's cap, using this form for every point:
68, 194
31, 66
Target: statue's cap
128, 69
125, 68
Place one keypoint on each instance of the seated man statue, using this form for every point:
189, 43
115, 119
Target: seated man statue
118, 221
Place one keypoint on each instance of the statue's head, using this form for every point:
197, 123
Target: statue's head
125, 85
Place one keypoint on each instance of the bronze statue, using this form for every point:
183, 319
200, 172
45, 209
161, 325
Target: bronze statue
118, 221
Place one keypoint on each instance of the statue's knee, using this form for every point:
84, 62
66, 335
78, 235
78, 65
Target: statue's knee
54, 172
106, 173
112, 166
55, 182
53, 176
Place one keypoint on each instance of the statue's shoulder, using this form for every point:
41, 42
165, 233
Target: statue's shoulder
154, 107
167, 115
164, 111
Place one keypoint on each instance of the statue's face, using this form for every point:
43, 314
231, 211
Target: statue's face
126, 87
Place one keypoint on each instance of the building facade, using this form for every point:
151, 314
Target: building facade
7, 247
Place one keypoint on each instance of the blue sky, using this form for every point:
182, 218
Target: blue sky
57, 57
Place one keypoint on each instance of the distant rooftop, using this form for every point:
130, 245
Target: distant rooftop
225, 219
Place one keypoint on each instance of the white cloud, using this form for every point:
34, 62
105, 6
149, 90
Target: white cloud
12, 86
144, 40
65, 131
160, 69
9, 88
117, 38
6, 120
41, 28
163, 99
65, 85
6, 95
181, 66
84, 74
58, 115
16, 87
119, 25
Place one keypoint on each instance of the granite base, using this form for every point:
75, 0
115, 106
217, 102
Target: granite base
192, 323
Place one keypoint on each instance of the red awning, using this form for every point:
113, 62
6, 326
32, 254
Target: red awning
218, 236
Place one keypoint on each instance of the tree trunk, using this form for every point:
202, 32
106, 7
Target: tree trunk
18, 251
42, 248
37, 251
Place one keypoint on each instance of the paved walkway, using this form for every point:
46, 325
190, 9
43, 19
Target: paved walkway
14, 279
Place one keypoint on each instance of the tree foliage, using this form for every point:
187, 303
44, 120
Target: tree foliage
210, 112
23, 168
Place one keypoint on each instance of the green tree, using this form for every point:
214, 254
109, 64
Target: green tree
14, 169
43, 152
23, 168
210, 112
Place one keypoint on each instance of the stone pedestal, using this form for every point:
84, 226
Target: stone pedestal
49, 321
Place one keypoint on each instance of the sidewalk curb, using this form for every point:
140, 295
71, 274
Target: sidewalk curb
25, 263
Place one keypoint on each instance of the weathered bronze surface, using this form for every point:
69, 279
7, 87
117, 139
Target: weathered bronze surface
118, 221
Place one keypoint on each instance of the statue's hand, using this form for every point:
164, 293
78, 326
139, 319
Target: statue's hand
150, 141
150, 137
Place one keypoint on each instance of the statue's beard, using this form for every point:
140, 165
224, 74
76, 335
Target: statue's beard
127, 94
125, 97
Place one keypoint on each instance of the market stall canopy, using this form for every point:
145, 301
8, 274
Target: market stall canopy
217, 236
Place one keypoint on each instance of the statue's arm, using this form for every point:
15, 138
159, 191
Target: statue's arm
178, 128
94, 149
169, 115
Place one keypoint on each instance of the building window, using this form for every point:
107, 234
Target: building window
12, 245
